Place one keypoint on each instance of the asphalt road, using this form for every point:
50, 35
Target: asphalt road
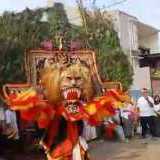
136, 149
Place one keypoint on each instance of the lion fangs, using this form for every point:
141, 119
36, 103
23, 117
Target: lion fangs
67, 91
65, 95
72, 90
79, 93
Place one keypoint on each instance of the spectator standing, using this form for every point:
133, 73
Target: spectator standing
2, 117
157, 103
157, 111
128, 116
145, 105
11, 124
9, 141
2, 126
114, 128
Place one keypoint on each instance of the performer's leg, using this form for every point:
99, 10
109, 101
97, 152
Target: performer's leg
152, 126
143, 121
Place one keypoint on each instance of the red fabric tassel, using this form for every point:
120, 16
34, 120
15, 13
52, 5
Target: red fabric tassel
109, 131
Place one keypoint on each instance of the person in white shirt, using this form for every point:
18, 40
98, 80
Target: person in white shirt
145, 105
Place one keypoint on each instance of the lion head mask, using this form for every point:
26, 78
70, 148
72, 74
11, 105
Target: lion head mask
68, 80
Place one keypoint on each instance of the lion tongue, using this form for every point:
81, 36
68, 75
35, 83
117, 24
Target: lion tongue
72, 95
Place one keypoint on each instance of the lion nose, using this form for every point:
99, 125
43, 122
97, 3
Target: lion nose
73, 82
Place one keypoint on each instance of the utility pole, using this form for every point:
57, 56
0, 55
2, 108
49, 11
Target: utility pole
116, 3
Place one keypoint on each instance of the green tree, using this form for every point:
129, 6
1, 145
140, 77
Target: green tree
18, 32
25, 30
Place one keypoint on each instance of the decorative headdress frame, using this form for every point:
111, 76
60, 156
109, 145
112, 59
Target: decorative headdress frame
36, 60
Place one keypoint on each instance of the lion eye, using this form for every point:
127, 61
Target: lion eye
69, 78
78, 78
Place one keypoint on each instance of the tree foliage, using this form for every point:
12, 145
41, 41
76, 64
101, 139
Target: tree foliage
18, 32
25, 30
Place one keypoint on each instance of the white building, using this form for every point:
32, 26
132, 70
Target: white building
134, 34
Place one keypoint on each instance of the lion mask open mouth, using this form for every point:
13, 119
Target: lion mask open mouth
71, 94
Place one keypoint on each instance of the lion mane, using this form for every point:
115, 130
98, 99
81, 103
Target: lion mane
52, 77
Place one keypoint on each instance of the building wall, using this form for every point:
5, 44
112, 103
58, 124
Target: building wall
141, 78
128, 32
126, 28
156, 86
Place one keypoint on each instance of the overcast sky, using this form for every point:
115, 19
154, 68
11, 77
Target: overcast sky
147, 11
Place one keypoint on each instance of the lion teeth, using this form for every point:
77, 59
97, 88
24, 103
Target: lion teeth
79, 93
72, 92
65, 95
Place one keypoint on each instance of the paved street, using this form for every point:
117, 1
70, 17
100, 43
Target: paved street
136, 149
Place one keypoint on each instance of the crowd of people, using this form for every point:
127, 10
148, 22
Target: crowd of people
141, 118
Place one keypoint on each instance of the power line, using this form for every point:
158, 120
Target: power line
116, 3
